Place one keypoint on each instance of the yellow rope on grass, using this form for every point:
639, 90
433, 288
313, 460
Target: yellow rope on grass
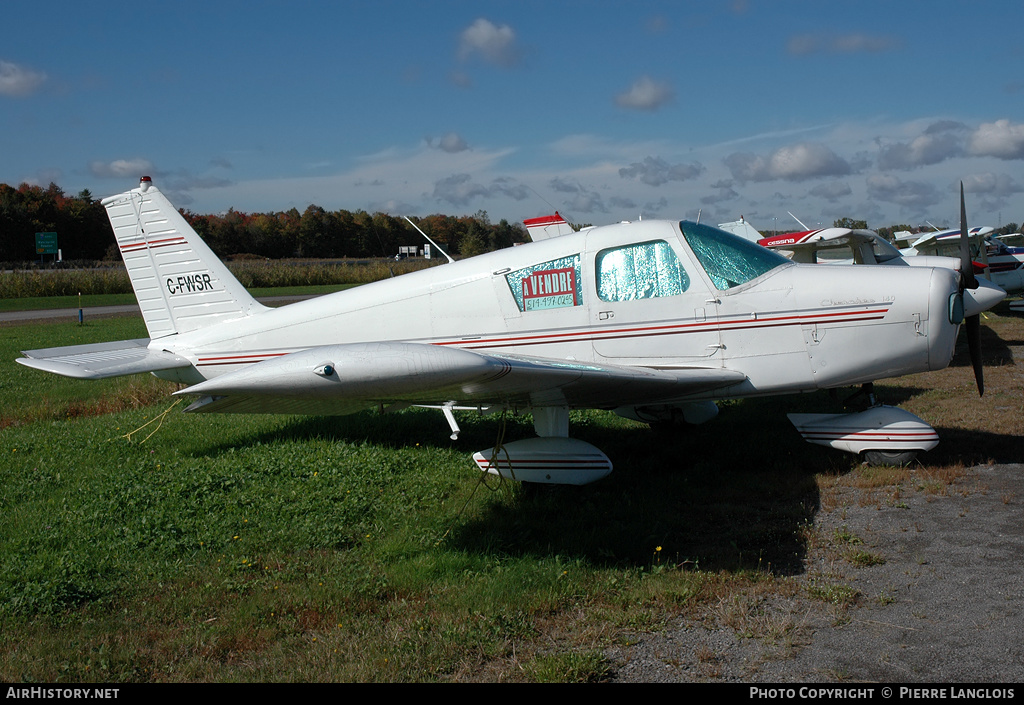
159, 417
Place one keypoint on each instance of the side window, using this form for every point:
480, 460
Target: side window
553, 284
642, 271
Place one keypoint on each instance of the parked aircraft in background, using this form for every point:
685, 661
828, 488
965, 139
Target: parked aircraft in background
855, 246
741, 228
547, 226
837, 246
995, 260
654, 319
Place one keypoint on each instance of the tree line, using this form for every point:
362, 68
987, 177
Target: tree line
84, 232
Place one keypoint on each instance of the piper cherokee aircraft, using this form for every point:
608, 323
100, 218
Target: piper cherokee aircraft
654, 319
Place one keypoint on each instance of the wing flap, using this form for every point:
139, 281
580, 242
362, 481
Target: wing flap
101, 360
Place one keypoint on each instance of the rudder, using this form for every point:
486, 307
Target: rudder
179, 282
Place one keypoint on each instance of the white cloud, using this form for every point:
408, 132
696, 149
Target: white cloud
460, 189
1001, 185
918, 196
1001, 139
121, 168
655, 171
17, 81
806, 44
496, 45
793, 163
451, 143
645, 94
940, 141
832, 190
723, 192
580, 198
995, 191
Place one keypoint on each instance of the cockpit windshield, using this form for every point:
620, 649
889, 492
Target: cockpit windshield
729, 260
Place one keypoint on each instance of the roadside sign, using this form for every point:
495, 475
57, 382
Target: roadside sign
46, 243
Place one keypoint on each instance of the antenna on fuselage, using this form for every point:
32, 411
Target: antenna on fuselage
429, 240
798, 220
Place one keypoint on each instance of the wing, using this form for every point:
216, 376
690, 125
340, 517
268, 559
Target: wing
100, 360
341, 379
804, 246
864, 245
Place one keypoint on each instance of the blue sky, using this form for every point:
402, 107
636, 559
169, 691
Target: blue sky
603, 110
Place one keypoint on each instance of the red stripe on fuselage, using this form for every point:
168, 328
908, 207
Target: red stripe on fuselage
672, 329
597, 334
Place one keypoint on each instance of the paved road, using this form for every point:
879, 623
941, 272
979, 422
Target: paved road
103, 311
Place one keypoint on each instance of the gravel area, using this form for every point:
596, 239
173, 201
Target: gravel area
925, 587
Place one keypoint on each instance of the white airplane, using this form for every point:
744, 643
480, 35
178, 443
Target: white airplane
995, 261
834, 246
741, 228
547, 226
654, 319
827, 245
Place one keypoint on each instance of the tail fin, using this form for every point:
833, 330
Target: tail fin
742, 228
179, 282
547, 226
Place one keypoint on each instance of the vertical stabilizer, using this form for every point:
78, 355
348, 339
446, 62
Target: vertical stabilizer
742, 228
547, 226
180, 284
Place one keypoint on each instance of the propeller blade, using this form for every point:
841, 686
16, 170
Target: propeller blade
972, 324
966, 264
969, 281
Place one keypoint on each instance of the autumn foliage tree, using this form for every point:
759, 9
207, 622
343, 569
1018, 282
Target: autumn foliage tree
84, 232
80, 222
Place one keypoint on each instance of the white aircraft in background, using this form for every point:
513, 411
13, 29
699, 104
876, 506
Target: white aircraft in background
741, 228
993, 258
828, 245
836, 245
547, 226
652, 319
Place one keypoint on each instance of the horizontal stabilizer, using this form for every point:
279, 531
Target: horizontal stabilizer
100, 360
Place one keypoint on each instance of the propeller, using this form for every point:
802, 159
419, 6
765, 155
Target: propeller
969, 281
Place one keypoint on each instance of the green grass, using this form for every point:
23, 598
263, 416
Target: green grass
351, 548
68, 284
39, 303
28, 395
365, 548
